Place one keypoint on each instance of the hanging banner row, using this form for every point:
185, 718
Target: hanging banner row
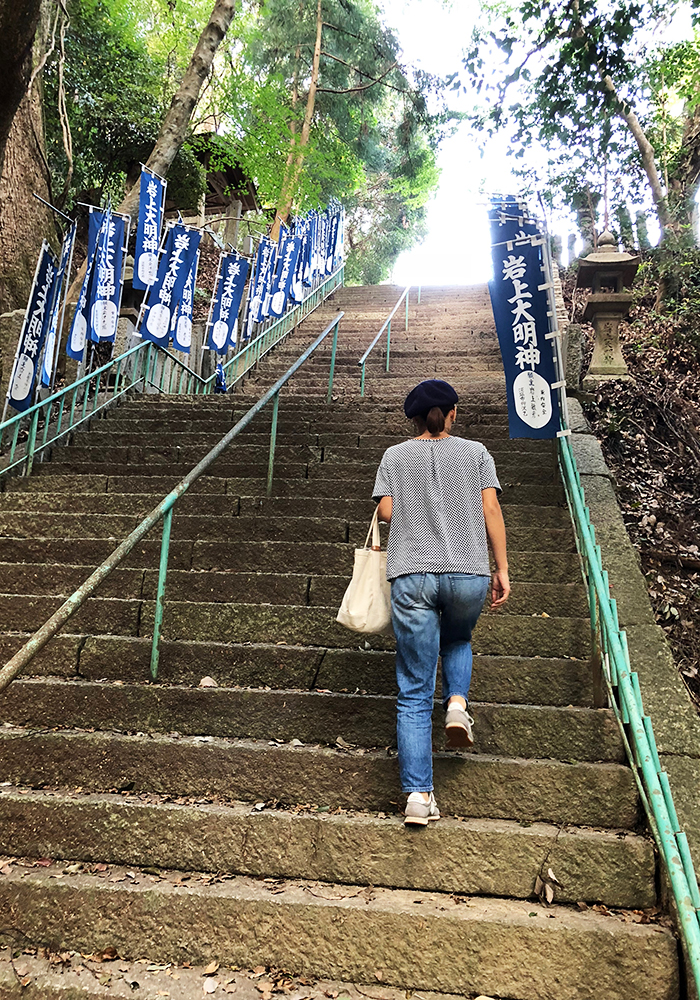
165, 269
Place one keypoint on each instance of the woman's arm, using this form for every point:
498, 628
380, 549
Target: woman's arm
496, 530
385, 507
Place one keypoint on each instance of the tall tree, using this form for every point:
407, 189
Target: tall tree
577, 66
18, 25
342, 78
25, 222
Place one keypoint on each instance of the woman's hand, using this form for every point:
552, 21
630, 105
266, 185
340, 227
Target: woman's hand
500, 587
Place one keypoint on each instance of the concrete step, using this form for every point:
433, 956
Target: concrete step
528, 731
493, 857
524, 790
509, 679
318, 928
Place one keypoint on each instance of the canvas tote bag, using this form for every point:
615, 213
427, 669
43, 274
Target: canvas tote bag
366, 604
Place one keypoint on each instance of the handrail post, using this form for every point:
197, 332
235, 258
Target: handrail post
408, 295
31, 441
362, 380
332, 372
160, 595
388, 344
273, 442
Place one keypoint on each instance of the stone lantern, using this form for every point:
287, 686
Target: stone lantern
607, 272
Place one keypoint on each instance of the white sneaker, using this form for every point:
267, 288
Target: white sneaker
458, 728
418, 812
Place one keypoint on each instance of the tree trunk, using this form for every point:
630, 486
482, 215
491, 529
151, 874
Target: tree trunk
647, 154
297, 151
176, 123
18, 24
173, 131
25, 221
684, 181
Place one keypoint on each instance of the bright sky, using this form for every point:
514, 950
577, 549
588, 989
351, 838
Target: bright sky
456, 248
433, 34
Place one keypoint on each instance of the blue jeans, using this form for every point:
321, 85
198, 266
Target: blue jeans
431, 613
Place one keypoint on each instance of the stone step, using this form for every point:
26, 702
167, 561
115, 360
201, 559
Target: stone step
528, 791
510, 460
51, 579
311, 558
184, 437
320, 929
528, 731
517, 469
220, 505
495, 634
513, 493
242, 527
508, 679
493, 857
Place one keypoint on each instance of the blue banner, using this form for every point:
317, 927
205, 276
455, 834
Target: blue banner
151, 208
223, 318
520, 307
164, 295
75, 345
182, 323
36, 323
107, 289
50, 356
282, 281
263, 265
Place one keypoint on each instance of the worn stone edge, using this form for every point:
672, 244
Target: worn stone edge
666, 700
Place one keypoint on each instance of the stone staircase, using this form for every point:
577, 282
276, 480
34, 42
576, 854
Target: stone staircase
279, 785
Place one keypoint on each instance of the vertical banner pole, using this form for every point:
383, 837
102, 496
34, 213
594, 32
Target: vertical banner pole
553, 320
273, 442
408, 294
388, 344
160, 596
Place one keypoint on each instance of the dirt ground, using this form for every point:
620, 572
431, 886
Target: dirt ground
649, 428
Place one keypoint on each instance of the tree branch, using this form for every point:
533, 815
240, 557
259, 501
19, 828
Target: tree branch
355, 90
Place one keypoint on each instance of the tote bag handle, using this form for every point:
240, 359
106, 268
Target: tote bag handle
374, 532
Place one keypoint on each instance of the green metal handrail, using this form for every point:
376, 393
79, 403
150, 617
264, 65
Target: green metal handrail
59, 414
164, 510
611, 658
386, 325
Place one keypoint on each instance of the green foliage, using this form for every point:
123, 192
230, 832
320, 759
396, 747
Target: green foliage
116, 100
372, 135
668, 281
544, 71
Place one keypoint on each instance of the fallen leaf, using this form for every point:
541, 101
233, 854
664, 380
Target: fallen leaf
259, 969
210, 985
211, 969
552, 877
208, 682
379, 975
296, 743
43, 863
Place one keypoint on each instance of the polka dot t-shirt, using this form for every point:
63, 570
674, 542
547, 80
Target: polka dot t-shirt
437, 520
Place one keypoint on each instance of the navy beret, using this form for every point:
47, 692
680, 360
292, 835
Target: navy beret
426, 395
